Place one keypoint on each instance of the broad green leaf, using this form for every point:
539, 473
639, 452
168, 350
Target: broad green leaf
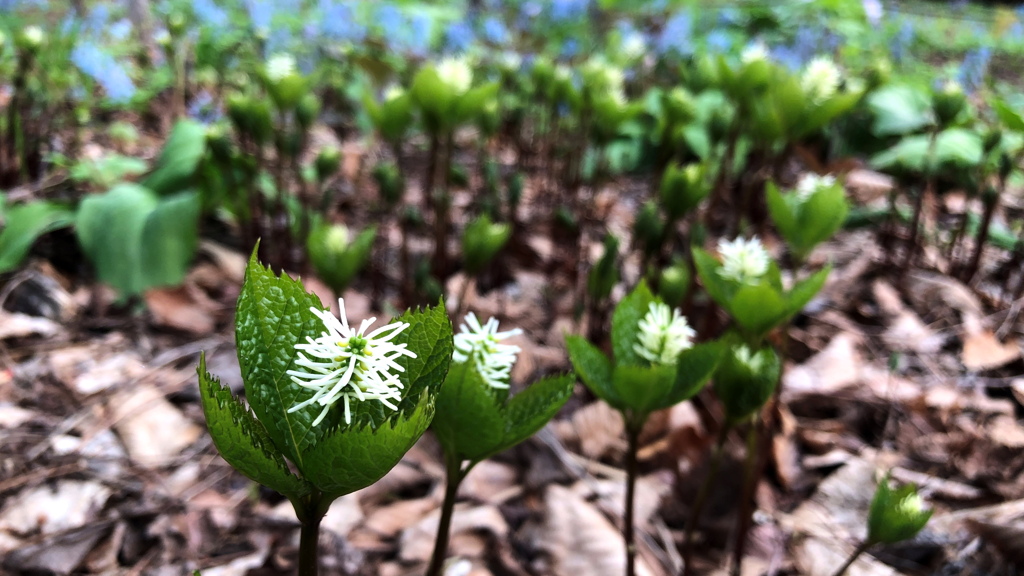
643, 387
468, 422
169, 240
1012, 118
273, 316
528, 411
806, 289
781, 213
745, 380
180, 158
820, 218
625, 318
707, 269
899, 109
593, 367
955, 149
693, 370
109, 227
429, 335
242, 440
758, 308
23, 224
349, 459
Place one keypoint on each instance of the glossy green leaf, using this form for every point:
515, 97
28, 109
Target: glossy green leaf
1013, 119
695, 367
625, 318
707, 269
179, 160
348, 458
805, 290
23, 224
529, 410
274, 315
242, 440
594, 368
758, 308
429, 335
469, 423
643, 387
899, 109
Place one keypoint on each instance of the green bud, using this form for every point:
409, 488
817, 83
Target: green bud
31, 39
389, 182
218, 141
682, 189
605, 274
327, 163
648, 228
992, 139
720, 123
745, 380
176, 24
335, 259
481, 242
679, 106
284, 82
674, 283
878, 74
948, 102
307, 110
896, 515
703, 75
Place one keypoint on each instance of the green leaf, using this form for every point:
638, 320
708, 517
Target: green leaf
136, 239
273, 316
594, 369
23, 224
468, 422
642, 387
695, 367
1013, 119
806, 289
180, 158
627, 315
482, 241
242, 440
899, 109
758, 308
707, 269
746, 379
349, 459
429, 335
528, 411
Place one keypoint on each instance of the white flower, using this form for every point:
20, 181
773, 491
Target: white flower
664, 333
344, 364
742, 260
481, 344
511, 61
810, 183
456, 73
821, 79
33, 35
280, 66
393, 92
633, 46
754, 52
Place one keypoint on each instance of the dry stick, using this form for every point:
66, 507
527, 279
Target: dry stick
702, 497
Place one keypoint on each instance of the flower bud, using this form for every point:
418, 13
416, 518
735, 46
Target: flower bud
218, 141
896, 515
674, 283
948, 102
648, 229
820, 79
337, 257
878, 74
284, 82
307, 110
31, 39
176, 24
745, 380
679, 106
682, 189
327, 163
481, 243
389, 182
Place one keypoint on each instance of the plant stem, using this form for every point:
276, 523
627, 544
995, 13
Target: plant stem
701, 500
853, 558
454, 477
309, 537
628, 529
750, 476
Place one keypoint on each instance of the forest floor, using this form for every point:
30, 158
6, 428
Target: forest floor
106, 468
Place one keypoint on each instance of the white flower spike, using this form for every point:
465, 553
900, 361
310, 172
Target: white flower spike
743, 260
346, 364
821, 79
810, 183
481, 343
664, 333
